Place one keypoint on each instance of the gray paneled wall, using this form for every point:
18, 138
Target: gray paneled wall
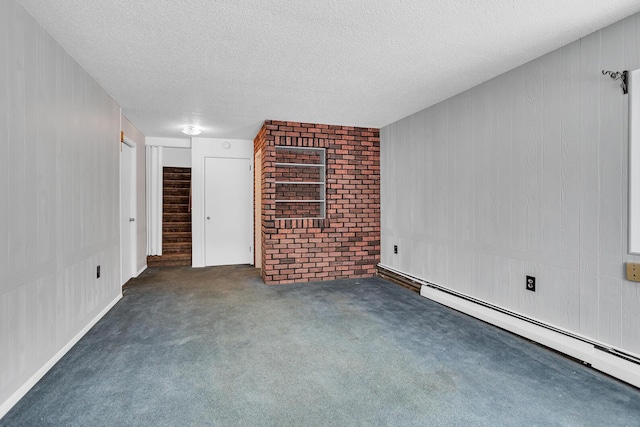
525, 174
59, 198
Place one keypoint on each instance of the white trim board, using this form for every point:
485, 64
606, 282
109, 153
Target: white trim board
6, 406
585, 350
634, 162
129, 142
168, 142
141, 270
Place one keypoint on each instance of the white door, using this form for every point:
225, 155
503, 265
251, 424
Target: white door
127, 212
228, 211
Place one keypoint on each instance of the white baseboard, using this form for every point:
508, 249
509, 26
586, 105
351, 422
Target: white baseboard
141, 270
601, 360
6, 406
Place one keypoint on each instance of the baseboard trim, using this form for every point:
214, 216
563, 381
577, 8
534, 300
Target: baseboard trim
142, 270
6, 406
602, 357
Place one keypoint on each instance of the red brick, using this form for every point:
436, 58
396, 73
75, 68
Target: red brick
347, 242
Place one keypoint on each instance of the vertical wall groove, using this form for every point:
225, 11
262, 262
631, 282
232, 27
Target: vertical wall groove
538, 186
59, 198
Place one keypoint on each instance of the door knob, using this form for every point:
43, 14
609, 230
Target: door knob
131, 219
208, 217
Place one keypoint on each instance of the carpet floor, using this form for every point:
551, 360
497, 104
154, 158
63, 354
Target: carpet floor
217, 347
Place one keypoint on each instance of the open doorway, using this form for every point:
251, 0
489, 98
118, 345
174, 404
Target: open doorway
176, 219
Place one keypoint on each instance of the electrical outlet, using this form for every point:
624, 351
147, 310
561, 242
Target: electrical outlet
395, 249
531, 283
97, 272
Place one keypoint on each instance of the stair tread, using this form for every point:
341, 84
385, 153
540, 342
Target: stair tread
161, 261
174, 208
174, 168
175, 220
175, 256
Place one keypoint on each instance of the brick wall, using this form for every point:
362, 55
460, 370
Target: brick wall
344, 244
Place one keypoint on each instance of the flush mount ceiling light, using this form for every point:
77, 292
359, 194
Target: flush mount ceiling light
191, 130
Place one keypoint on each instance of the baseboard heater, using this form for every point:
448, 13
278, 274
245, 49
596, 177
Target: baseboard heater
612, 361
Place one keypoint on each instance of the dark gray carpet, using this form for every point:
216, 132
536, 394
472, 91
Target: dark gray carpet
215, 346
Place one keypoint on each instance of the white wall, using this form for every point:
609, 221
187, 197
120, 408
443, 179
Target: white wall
136, 136
176, 157
168, 142
202, 148
525, 174
176, 152
59, 202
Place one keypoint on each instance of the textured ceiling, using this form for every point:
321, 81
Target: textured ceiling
229, 65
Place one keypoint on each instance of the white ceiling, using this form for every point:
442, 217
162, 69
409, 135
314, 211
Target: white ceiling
230, 64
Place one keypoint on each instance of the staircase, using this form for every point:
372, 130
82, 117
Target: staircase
176, 219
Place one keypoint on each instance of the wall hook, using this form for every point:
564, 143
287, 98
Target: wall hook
619, 75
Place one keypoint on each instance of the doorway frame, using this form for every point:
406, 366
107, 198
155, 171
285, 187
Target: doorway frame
210, 147
239, 164
131, 145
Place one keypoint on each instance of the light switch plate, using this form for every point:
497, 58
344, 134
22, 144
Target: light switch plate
633, 271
